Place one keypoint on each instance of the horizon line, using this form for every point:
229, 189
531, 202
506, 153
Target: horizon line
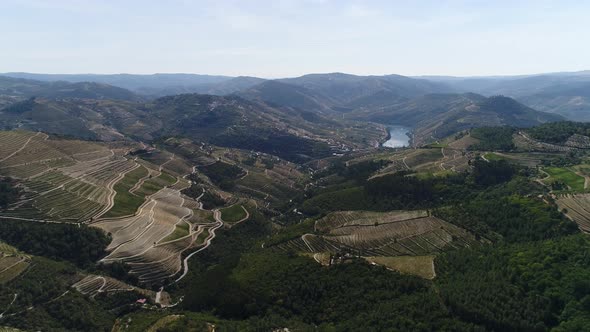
425, 76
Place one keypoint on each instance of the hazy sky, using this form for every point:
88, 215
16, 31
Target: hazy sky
281, 38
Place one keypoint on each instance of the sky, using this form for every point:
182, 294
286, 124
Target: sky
284, 38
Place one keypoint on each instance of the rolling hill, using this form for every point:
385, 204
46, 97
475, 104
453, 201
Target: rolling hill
145, 84
283, 94
561, 93
436, 116
24, 88
226, 121
345, 88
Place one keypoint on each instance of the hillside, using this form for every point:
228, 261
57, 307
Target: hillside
253, 125
158, 84
436, 116
345, 88
225, 121
278, 93
17, 87
561, 93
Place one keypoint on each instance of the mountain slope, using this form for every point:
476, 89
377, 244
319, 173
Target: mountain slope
17, 87
439, 115
345, 88
278, 93
231, 121
567, 94
129, 81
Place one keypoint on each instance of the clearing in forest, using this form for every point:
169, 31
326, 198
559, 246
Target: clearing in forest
421, 266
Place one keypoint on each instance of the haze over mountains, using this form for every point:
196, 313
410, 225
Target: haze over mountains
566, 94
433, 107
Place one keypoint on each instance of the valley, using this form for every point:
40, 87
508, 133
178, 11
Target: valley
327, 190
398, 137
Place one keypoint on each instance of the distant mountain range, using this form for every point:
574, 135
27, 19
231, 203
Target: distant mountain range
567, 94
20, 87
227, 110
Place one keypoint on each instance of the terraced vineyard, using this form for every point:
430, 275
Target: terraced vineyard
93, 285
138, 202
12, 262
153, 240
450, 155
577, 208
399, 233
63, 180
526, 143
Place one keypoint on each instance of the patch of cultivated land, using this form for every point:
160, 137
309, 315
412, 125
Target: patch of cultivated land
399, 233
93, 285
137, 202
12, 262
577, 208
574, 181
234, 213
64, 180
182, 229
154, 184
152, 241
125, 202
422, 266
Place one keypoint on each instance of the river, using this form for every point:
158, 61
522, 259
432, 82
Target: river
398, 137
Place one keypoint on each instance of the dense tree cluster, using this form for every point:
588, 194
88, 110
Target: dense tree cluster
222, 174
81, 245
46, 302
20, 107
530, 286
8, 192
268, 141
559, 132
493, 139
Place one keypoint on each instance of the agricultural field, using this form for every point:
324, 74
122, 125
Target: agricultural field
137, 202
398, 233
132, 190
234, 213
421, 266
136, 238
573, 181
92, 285
527, 159
577, 208
182, 229
524, 142
449, 155
12, 262
153, 240
63, 180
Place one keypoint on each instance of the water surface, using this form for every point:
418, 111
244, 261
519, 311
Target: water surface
398, 137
